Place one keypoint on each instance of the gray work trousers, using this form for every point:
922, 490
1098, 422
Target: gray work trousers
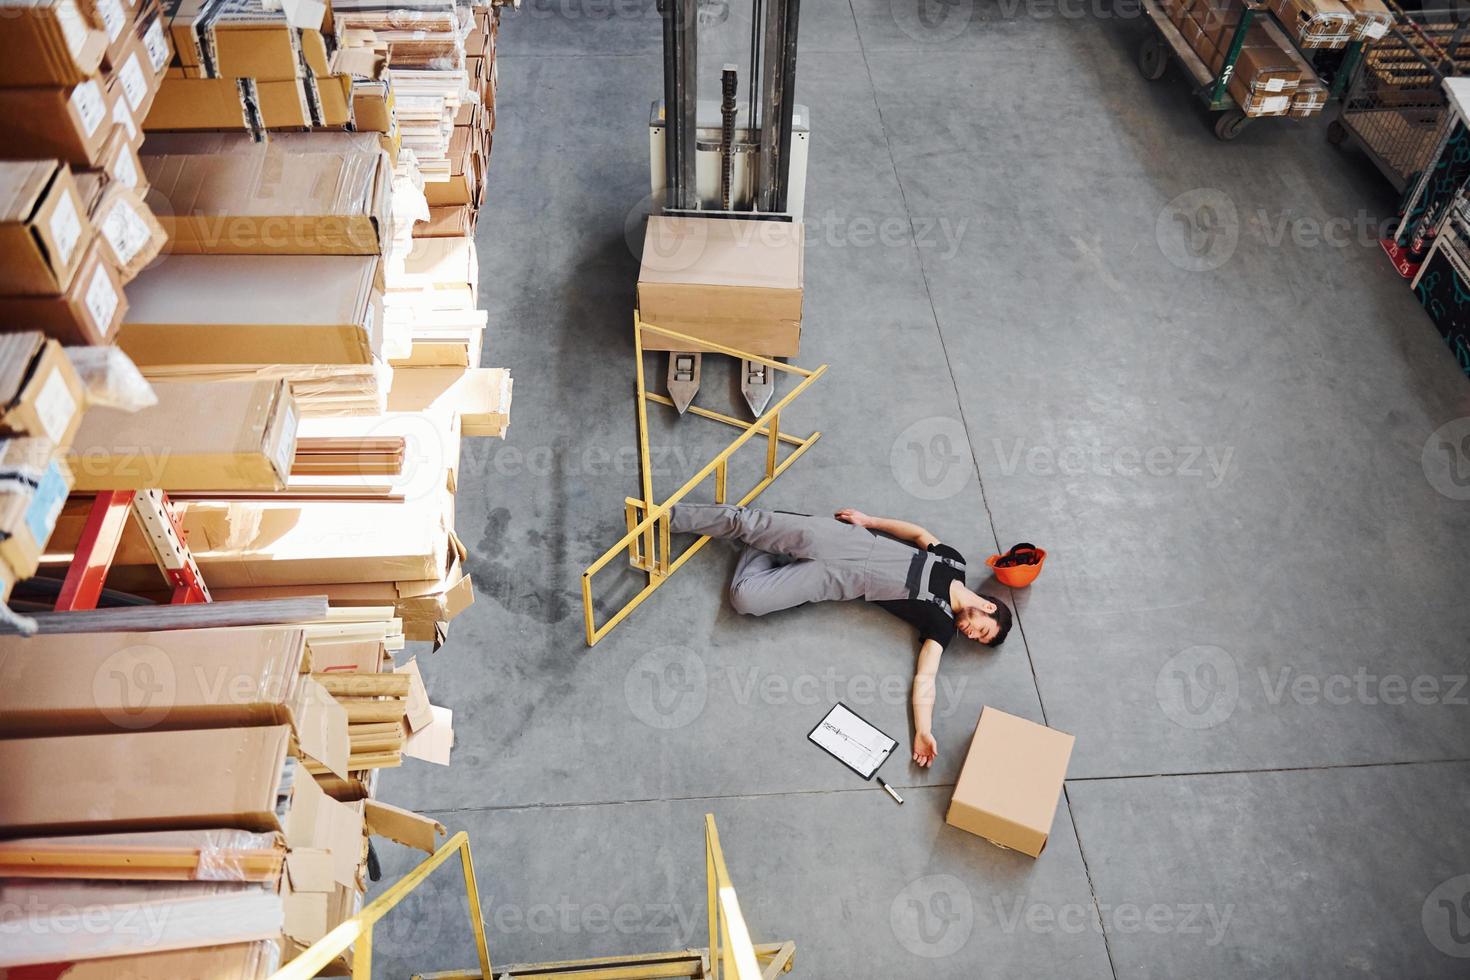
792, 559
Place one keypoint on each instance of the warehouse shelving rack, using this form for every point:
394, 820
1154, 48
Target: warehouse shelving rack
1395, 108
1214, 89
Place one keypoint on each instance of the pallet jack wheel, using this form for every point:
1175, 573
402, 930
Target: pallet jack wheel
1230, 124
1337, 133
1153, 58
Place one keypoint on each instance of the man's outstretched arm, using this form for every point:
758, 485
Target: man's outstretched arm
925, 748
903, 530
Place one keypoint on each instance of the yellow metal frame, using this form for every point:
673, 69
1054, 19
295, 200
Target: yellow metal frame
358, 930
647, 540
729, 956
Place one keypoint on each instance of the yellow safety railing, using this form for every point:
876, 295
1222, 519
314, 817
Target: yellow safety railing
647, 538
357, 932
730, 956
731, 953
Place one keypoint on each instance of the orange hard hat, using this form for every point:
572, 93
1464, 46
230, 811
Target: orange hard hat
1018, 567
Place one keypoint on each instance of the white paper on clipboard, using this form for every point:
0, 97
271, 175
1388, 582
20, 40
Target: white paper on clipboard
855, 743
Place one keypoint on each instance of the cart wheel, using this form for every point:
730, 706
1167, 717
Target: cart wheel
1153, 58
1230, 123
1337, 133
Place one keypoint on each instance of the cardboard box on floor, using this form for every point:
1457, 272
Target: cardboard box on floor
40, 393
274, 198
734, 282
220, 436
43, 227
1010, 783
255, 309
86, 314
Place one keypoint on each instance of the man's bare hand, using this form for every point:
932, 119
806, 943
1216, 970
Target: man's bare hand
850, 516
925, 748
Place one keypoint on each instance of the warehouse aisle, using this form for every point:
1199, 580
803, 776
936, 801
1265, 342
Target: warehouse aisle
1055, 309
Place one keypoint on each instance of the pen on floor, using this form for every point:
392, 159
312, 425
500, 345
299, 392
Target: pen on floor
890, 790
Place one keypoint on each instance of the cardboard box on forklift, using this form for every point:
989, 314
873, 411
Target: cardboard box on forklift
87, 313
734, 282
272, 199
40, 393
70, 123
255, 309
47, 42
245, 441
44, 229
1010, 782
187, 780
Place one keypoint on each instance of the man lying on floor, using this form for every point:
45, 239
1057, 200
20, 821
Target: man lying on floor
792, 559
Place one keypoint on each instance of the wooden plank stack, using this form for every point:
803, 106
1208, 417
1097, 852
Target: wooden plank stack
237, 775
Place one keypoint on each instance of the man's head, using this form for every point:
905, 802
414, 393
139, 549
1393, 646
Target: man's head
987, 621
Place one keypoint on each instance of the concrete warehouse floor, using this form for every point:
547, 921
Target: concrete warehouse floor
1254, 614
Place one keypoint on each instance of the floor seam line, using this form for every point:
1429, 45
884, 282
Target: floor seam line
1091, 888
916, 787
944, 350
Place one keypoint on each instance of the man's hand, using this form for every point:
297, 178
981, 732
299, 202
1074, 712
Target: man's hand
850, 516
925, 748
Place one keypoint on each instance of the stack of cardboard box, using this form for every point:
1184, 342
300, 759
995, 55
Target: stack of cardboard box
248, 66
43, 402
217, 781
1271, 78
75, 85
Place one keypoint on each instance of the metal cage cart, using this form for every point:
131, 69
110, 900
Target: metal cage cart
1212, 88
1395, 108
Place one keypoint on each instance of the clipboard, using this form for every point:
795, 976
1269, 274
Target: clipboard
852, 740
